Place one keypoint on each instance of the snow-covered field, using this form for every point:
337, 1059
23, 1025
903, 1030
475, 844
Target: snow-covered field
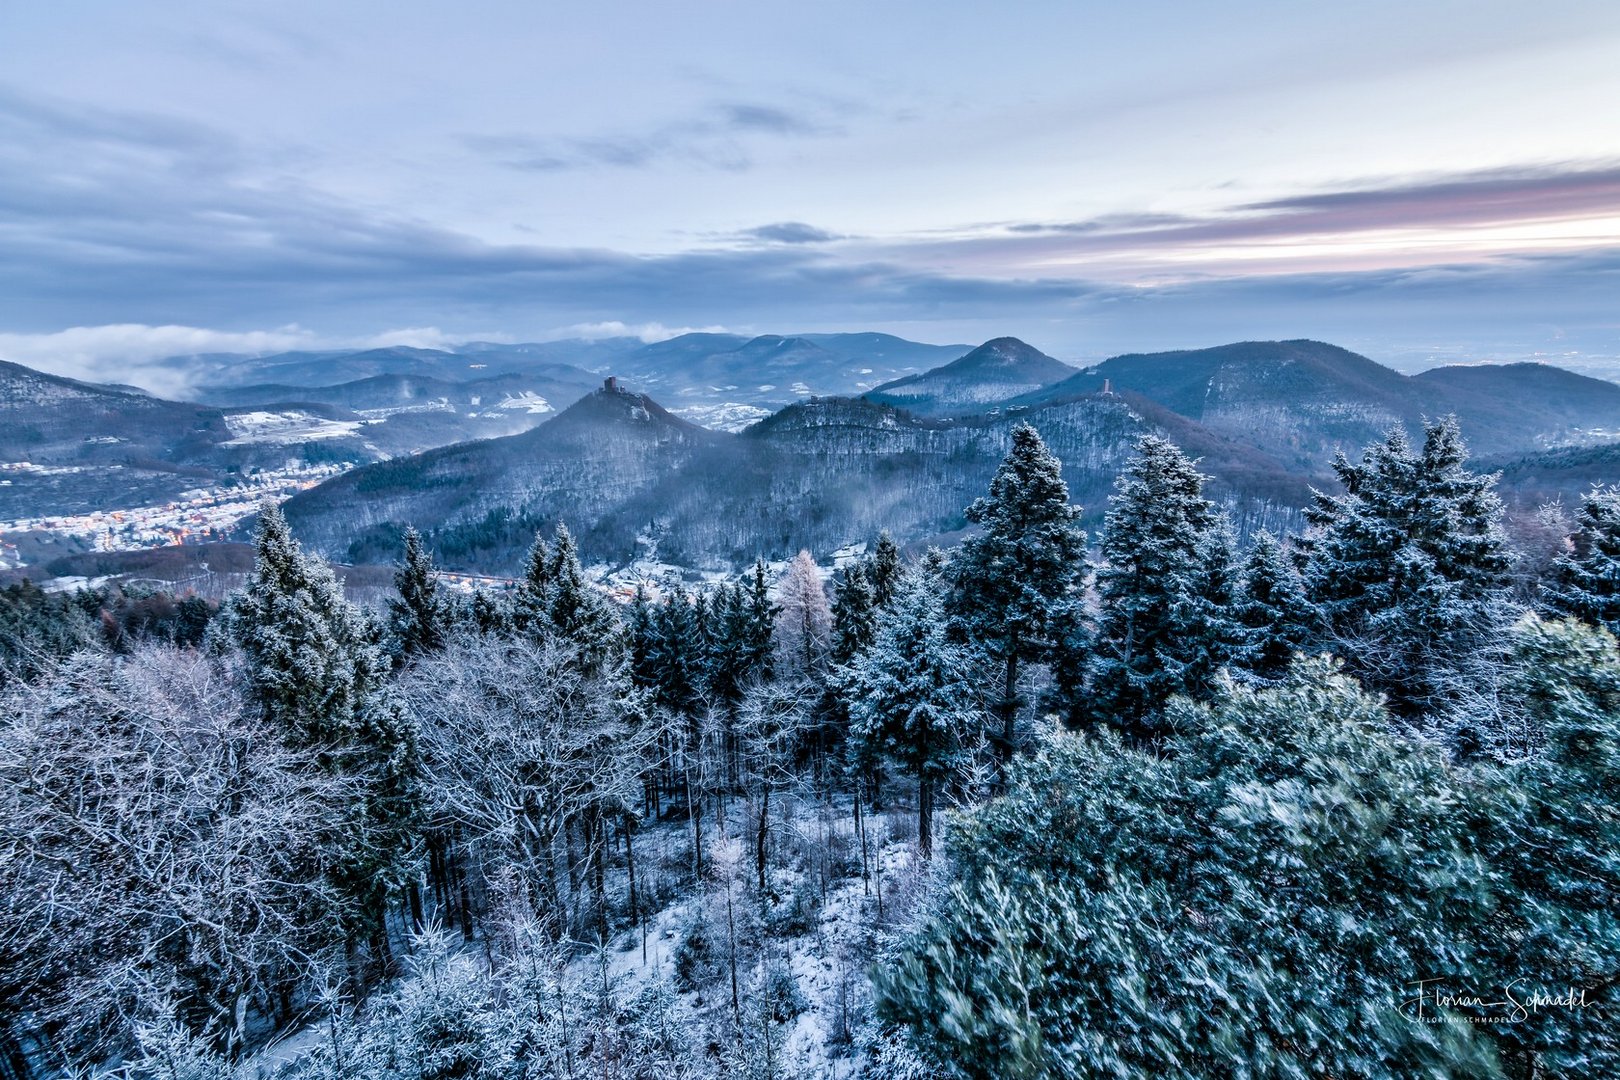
286, 428
730, 416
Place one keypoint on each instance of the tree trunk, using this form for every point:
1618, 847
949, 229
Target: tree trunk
925, 815
764, 833
1009, 714
630, 867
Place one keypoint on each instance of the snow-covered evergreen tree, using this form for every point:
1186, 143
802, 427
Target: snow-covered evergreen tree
319, 679
1273, 616
1162, 627
910, 695
1555, 925
1586, 582
676, 659
1409, 567
1136, 914
854, 613
1011, 577
577, 610
885, 569
417, 616
529, 606
312, 663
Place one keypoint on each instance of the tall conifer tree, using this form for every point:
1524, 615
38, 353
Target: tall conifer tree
1161, 629
1010, 578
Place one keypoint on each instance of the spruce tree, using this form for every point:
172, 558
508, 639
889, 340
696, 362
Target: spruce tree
756, 623
529, 606
1409, 568
1011, 577
576, 610
487, 614
1160, 628
723, 663
417, 616
312, 665
1274, 618
641, 636
676, 656
316, 674
854, 613
884, 569
1586, 582
911, 696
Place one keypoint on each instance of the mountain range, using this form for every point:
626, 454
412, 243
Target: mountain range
1301, 400
632, 479
708, 449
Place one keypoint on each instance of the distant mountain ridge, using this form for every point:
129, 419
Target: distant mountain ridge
628, 476
997, 371
1301, 400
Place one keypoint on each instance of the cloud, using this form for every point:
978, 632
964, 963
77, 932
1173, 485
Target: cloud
135, 353
1487, 197
742, 116
428, 337
790, 232
129, 352
138, 230
715, 138
614, 328
1395, 222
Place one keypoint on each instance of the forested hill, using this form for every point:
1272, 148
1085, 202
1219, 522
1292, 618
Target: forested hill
52, 420
1301, 400
623, 473
996, 371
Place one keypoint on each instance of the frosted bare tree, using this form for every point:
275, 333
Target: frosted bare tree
157, 841
803, 618
520, 741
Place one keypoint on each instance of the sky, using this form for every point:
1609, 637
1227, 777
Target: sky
1424, 181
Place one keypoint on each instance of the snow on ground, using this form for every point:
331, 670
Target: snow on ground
525, 401
730, 416
828, 960
289, 427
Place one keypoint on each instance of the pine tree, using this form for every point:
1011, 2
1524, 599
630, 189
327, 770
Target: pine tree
530, 604
311, 662
1011, 577
1274, 617
757, 624
576, 609
722, 662
884, 570
1159, 632
1410, 570
488, 615
417, 616
318, 678
641, 636
911, 695
854, 613
1586, 582
676, 658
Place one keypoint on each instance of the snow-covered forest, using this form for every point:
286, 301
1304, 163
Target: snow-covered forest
1145, 803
